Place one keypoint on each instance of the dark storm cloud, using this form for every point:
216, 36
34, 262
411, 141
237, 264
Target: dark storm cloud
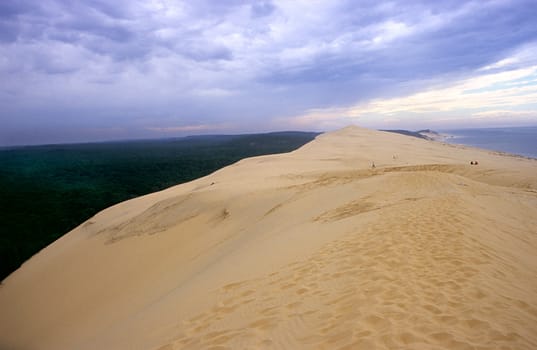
472, 40
262, 8
117, 32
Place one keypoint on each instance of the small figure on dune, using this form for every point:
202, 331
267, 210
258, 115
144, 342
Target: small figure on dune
472, 162
372, 165
394, 156
475, 162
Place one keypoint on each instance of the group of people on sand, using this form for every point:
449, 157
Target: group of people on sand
373, 166
473, 162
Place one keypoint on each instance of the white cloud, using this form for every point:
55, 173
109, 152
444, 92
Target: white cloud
391, 30
482, 96
501, 63
506, 113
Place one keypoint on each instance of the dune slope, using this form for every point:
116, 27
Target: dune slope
311, 249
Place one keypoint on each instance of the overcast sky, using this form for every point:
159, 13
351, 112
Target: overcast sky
100, 70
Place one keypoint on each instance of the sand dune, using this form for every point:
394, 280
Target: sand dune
311, 249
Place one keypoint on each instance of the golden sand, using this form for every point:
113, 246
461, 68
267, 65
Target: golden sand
311, 249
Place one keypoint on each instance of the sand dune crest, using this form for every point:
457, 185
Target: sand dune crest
311, 249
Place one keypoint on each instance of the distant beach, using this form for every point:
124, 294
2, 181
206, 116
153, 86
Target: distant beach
518, 140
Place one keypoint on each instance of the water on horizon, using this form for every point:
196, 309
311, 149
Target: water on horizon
516, 140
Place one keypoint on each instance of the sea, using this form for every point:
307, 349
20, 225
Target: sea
516, 140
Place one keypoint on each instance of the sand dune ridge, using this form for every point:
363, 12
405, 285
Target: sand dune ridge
311, 249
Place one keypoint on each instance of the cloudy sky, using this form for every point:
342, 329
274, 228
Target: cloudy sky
97, 69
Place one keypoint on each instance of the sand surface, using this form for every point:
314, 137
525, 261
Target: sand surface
312, 249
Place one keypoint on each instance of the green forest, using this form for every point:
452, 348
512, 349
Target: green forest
45, 191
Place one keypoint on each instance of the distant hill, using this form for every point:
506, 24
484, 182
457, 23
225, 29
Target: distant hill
417, 134
427, 131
